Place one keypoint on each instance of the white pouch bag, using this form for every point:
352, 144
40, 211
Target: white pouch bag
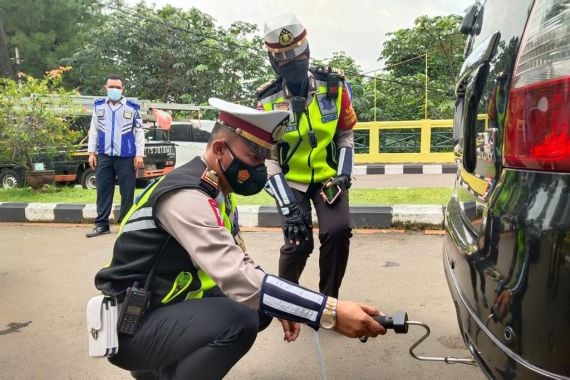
102, 317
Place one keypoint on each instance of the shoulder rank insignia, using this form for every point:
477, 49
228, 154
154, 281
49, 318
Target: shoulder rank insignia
210, 177
334, 70
265, 86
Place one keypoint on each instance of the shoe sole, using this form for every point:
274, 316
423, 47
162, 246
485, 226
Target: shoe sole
99, 234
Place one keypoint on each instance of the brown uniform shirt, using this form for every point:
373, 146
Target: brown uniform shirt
194, 220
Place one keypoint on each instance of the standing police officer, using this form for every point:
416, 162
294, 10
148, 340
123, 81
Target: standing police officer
116, 149
314, 158
208, 299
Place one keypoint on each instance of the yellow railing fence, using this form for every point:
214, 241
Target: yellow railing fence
370, 133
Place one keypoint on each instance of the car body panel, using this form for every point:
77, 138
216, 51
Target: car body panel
507, 247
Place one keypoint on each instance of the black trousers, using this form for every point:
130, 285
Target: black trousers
334, 235
197, 339
109, 168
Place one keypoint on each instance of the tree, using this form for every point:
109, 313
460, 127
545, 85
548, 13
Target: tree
46, 31
5, 64
172, 55
405, 49
30, 118
400, 90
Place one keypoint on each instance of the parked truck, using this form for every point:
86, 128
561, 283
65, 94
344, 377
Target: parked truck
72, 167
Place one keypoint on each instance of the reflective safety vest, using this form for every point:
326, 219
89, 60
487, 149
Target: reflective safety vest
315, 159
142, 242
115, 127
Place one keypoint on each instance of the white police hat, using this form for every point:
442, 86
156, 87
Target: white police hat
259, 127
285, 37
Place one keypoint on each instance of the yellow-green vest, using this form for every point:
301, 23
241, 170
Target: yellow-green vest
309, 164
140, 240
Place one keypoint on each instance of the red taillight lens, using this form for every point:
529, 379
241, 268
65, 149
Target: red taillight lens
537, 131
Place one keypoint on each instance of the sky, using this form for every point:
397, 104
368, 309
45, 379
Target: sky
357, 27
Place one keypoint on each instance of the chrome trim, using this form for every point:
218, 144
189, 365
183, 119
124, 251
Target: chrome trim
495, 341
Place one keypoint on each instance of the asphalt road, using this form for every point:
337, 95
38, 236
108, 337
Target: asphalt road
46, 278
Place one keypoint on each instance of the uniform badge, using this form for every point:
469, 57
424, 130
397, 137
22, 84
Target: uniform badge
243, 175
100, 113
128, 115
285, 37
216, 211
327, 108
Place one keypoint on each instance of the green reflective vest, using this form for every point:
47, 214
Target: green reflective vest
141, 239
309, 163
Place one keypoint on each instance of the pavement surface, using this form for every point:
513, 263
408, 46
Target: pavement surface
46, 278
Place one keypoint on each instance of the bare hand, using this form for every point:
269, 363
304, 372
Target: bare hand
291, 330
138, 162
354, 320
92, 160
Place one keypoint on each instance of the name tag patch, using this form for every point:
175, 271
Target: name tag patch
327, 118
291, 128
100, 113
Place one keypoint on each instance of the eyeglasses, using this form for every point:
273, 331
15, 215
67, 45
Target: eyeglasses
283, 62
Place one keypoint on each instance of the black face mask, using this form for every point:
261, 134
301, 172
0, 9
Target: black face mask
294, 72
243, 178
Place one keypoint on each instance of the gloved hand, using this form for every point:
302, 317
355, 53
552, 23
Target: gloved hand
342, 180
297, 223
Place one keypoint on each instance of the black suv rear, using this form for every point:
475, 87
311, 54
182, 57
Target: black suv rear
507, 248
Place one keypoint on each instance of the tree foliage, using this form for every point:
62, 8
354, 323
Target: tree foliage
401, 89
46, 31
172, 55
30, 118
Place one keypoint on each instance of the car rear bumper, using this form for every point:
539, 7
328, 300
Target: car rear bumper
494, 358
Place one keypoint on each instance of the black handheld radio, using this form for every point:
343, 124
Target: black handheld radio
134, 306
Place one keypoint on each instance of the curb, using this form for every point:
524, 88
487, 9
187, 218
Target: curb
405, 169
415, 216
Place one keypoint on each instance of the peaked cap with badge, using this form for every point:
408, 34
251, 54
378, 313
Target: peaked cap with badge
285, 37
261, 130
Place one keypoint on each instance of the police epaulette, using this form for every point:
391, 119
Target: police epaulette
268, 88
325, 70
99, 101
133, 104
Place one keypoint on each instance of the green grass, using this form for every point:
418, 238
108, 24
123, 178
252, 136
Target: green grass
357, 196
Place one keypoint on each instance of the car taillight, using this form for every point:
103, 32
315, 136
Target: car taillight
537, 131
169, 163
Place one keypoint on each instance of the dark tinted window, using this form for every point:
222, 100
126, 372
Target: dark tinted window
180, 132
200, 135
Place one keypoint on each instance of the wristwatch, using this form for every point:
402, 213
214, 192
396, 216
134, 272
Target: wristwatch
328, 317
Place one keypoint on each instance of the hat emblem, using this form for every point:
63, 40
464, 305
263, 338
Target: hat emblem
286, 37
243, 175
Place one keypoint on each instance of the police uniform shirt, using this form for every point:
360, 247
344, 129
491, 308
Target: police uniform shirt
124, 120
194, 220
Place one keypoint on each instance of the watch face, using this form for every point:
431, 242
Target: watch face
327, 321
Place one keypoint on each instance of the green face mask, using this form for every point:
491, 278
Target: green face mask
243, 178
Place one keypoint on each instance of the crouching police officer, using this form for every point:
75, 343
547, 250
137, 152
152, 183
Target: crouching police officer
208, 299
